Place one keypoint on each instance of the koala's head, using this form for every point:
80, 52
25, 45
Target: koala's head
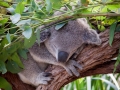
64, 42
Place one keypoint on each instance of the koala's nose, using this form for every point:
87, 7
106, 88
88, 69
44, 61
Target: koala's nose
62, 56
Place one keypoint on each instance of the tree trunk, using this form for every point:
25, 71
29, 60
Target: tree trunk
94, 59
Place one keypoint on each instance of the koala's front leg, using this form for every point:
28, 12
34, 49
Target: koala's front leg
71, 66
32, 73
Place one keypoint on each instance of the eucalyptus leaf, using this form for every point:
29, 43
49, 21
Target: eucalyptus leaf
4, 84
16, 58
117, 28
2, 67
3, 21
22, 22
22, 53
15, 18
11, 10
38, 36
56, 3
20, 8
4, 4
8, 37
29, 42
13, 67
111, 33
27, 32
117, 63
49, 5
59, 26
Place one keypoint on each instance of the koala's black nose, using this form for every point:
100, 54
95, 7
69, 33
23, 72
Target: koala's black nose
62, 56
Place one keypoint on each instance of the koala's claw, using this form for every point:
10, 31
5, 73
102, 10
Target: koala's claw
43, 78
70, 67
47, 74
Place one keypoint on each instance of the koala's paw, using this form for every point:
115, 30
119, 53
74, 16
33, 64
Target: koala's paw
70, 67
43, 78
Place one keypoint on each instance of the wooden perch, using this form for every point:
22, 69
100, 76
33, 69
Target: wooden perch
94, 59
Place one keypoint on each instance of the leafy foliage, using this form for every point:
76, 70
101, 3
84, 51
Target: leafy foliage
19, 20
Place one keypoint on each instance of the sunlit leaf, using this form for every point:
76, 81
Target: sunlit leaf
4, 4
107, 82
3, 21
4, 84
20, 8
15, 18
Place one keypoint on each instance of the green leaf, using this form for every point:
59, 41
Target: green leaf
4, 84
22, 22
40, 14
56, 4
4, 4
117, 28
117, 62
59, 26
29, 42
38, 36
8, 37
2, 67
101, 27
33, 6
16, 58
111, 33
49, 5
20, 8
13, 67
15, 18
3, 21
27, 31
22, 53
3, 56
11, 10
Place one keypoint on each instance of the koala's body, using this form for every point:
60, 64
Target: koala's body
56, 47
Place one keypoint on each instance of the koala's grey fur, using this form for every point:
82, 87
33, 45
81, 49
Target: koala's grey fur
56, 47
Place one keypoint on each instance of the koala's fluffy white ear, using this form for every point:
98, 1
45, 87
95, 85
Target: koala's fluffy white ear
44, 35
85, 20
91, 37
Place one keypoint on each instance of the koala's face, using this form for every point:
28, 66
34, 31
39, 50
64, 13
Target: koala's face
64, 42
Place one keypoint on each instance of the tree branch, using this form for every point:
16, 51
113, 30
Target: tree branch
90, 57
94, 59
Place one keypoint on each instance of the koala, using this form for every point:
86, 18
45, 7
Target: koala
57, 47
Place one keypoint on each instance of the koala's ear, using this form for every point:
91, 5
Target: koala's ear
85, 20
91, 37
44, 35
